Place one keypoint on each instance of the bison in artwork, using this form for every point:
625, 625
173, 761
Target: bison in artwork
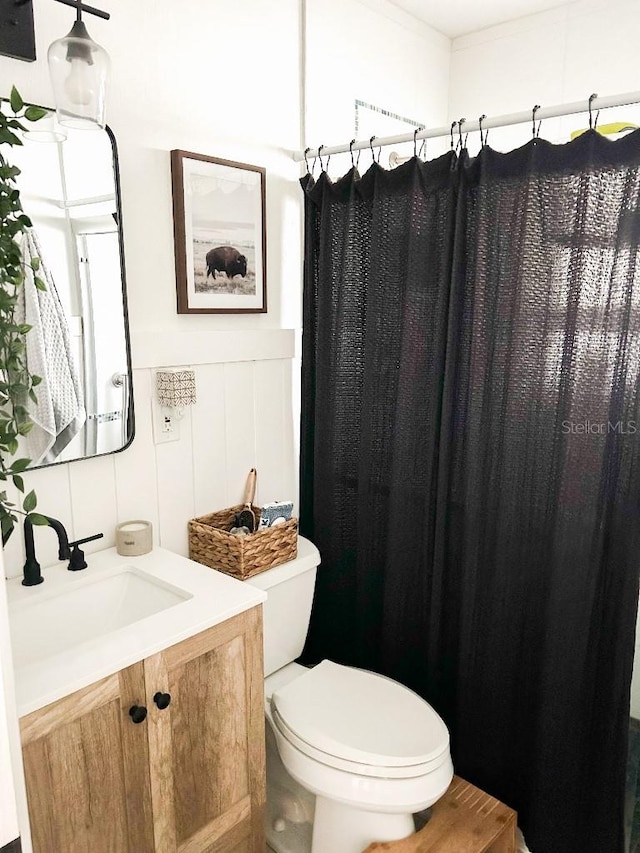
226, 259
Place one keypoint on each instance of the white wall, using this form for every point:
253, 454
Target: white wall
242, 418
206, 77
555, 57
371, 51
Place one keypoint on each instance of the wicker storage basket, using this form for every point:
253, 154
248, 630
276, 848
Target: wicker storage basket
211, 544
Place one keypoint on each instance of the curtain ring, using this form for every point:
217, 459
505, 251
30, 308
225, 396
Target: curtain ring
323, 168
354, 165
484, 135
373, 156
415, 141
306, 151
453, 124
592, 125
535, 134
461, 144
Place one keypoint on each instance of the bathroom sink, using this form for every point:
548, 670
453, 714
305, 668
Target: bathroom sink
88, 608
79, 627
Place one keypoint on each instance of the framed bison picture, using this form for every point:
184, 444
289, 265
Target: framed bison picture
220, 241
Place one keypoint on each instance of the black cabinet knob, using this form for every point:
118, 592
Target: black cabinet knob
138, 713
162, 700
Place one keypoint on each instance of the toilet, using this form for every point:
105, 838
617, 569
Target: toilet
351, 755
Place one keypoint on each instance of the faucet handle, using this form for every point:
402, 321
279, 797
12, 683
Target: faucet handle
77, 561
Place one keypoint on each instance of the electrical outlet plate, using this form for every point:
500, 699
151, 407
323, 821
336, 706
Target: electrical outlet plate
166, 423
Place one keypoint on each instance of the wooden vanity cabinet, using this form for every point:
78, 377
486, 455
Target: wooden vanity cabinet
188, 778
87, 770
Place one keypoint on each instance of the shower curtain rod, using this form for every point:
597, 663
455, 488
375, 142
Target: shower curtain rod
593, 103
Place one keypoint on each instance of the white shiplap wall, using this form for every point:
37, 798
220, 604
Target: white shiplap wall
242, 418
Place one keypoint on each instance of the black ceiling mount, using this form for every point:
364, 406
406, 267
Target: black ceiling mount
17, 34
82, 7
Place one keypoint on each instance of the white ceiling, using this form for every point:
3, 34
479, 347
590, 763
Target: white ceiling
457, 17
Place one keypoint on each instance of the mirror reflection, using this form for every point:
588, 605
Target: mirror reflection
79, 342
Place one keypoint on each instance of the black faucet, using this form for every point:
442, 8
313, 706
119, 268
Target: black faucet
32, 573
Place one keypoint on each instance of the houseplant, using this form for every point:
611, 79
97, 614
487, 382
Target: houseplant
16, 383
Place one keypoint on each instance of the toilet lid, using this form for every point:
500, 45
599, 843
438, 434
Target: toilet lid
361, 716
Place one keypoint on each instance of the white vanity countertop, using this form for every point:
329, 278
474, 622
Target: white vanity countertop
212, 598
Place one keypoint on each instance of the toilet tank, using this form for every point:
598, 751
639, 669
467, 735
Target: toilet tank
286, 611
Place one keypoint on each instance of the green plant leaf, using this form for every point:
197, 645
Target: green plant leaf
36, 518
11, 138
9, 172
16, 382
16, 100
7, 523
30, 501
34, 113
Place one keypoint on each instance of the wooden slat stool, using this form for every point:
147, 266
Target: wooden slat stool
465, 820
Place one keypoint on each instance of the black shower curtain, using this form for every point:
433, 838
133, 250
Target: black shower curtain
470, 459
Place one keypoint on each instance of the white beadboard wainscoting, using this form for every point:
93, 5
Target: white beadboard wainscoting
242, 418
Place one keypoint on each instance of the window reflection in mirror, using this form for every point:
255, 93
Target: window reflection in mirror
79, 343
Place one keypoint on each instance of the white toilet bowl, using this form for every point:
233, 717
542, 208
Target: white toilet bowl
372, 751
350, 754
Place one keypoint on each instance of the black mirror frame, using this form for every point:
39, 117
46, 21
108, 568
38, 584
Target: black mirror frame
131, 431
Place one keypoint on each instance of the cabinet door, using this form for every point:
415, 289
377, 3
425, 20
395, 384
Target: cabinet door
207, 747
87, 770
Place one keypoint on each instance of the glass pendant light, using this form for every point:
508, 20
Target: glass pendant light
79, 69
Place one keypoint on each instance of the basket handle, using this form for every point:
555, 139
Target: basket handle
250, 489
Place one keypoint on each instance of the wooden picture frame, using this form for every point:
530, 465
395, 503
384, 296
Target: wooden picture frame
219, 213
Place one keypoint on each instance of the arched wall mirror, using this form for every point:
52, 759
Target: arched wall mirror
79, 343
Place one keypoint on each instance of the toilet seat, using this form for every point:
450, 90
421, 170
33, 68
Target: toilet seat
353, 767
360, 722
